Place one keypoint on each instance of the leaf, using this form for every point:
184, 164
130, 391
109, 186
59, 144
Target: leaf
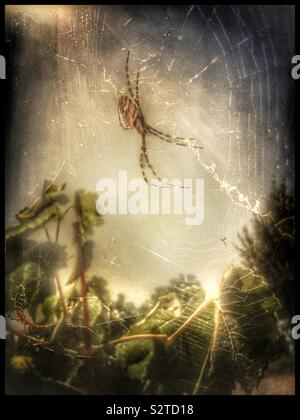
21, 363
95, 321
49, 255
50, 194
87, 219
99, 286
40, 211
35, 222
161, 368
269, 249
95, 308
225, 343
52, 189
134, 352
51, 308
24, 285
249, 323
84, 254
85, 207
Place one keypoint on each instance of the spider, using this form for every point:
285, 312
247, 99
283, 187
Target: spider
131, 116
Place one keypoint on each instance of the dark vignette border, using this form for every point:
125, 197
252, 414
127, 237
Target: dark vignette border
208, 405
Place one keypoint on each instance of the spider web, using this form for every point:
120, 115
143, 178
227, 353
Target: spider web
217, 73
218, 340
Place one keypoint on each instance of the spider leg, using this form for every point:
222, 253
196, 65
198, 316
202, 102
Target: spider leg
167, 135
180, 141
127, 77
137, 89
147, 158
142, 166
121, 124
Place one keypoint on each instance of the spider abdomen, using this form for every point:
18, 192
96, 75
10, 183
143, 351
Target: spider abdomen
130, 115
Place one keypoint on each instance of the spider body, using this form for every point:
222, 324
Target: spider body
131, 116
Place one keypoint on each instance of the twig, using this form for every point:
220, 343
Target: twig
84, 289
125, 339
149, 314
203, 367
26, 321
47, 233
61, 294
164, 337
59, 221
86, 315
190, 319
32, 340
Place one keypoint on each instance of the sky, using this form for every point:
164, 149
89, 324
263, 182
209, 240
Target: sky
220, 74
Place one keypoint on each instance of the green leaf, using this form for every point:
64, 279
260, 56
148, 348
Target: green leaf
51, 189
40, 211
249, 325
35, 222
133, 352
84, 255
269, 247
227, 342
51, 308
99, 286
95, 310
24, 285
161, 368
85, 207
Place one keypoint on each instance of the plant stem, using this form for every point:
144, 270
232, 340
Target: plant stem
190, 319
163, 337
61, 294
59, 221
203, 368
57, 279
32, 340
84, 289
86, 314
125, 339
210, 350
47, 233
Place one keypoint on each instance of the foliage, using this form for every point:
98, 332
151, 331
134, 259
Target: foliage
24, 286
270, 250
43, 209
73, 338
229, 342
86, 210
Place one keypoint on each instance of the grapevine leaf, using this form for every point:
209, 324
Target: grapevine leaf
24, 285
